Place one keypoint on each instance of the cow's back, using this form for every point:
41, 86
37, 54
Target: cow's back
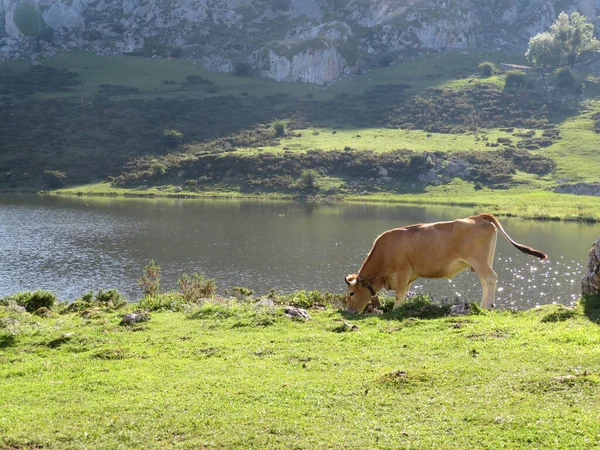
434, 250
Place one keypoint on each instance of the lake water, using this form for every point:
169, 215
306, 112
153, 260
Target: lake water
73, 245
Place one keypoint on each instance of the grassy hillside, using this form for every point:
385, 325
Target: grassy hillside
231, 374
95, 124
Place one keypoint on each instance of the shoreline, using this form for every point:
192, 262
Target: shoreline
528, 205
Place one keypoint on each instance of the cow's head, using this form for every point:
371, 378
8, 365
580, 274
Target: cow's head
359, 295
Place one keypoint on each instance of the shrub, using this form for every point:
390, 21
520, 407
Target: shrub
515, 78
565, 78
487, 68
54, 178
176, 53
28, 19
150, 281
241, 314
420, 306
310, 299
45, 34
242, 69
196, 286
279, 127
110, 299
242, 292
281, 5
32, 300
308, 179
171, 301
172, 138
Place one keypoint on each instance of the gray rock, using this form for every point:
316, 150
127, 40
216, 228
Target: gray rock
590, 283
579, 189
457, 168
429, 176
459, 310
266, 302
383, 172
135, 317
296, 313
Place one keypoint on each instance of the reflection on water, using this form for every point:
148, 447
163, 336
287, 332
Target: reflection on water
72, 245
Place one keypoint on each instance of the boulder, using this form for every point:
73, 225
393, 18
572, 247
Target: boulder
590, 283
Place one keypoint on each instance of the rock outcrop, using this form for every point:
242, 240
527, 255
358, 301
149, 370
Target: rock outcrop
312, 41
590, 284
579, 189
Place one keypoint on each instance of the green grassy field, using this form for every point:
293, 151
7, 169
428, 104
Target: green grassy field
231, 375
89, 134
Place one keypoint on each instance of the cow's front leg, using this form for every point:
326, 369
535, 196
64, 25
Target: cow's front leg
402, 286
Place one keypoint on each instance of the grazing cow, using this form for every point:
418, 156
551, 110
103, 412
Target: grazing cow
432, 250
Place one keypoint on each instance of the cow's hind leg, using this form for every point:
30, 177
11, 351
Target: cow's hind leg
488, 278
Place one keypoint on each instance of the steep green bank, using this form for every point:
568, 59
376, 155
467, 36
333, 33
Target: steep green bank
235, 374
431, 130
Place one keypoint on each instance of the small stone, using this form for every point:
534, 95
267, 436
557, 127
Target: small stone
296, 313
135, 317
345, 327
459, 310
90, 313
43, 312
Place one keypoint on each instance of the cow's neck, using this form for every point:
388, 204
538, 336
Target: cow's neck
373, 272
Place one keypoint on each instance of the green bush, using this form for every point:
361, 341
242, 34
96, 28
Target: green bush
54, 178
487, 68
281, 5
308, 179
172, 138
170, 301
515, 78
242, 69
150, 281
110, 299
196, 287
565, 78
28, 19
279, 127
310, 299
32, 300
242, 292
420, 306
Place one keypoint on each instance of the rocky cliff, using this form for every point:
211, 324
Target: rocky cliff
315, 41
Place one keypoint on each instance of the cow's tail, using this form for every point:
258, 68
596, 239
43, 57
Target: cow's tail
521, 247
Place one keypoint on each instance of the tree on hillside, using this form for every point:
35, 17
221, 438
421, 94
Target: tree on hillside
563, 42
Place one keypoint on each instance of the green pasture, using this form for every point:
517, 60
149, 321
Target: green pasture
125, 127
235, 375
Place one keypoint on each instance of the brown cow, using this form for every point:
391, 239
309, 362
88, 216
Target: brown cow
432, 250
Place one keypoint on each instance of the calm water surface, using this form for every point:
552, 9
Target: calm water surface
73, 245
